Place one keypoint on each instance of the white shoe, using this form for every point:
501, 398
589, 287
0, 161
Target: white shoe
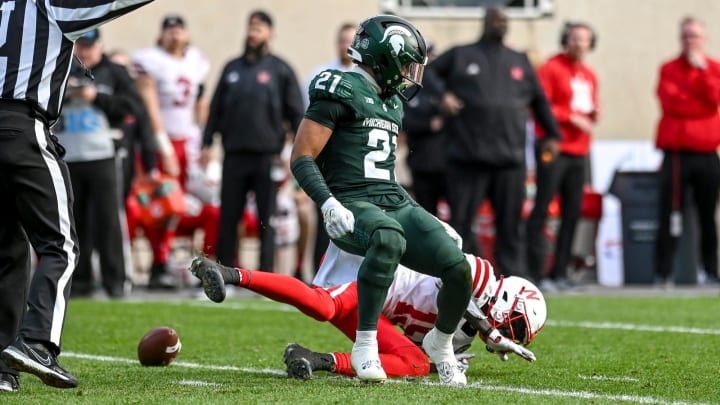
448, 369
450, 373
366, 363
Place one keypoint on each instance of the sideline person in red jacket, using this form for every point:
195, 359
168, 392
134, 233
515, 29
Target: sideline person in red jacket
571, 88
689, 135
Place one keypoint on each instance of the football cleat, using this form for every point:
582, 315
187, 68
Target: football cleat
296, 360
448, 369
34, 358
451, 373
9, 383
301, 362
210, 277
366, 364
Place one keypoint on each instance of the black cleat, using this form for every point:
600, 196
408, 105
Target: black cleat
34, 358
210, 277
301, 362
296, 360
9, 383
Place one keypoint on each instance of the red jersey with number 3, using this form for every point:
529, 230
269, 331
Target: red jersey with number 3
178, 81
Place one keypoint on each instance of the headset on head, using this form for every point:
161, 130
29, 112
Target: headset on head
569, 26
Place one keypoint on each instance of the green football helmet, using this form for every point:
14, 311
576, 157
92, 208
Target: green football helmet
394, 50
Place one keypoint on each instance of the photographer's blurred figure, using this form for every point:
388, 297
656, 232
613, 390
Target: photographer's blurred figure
95, 107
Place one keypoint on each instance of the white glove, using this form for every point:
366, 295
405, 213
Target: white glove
339, 220
501, 345
452, 233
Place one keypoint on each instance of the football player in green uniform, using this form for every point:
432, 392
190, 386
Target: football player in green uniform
344, 159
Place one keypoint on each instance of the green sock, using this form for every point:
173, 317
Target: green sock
453, 297
371, 298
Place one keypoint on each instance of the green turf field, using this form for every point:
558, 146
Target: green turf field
598, 349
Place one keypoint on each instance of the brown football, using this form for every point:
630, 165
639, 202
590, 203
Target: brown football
159, 347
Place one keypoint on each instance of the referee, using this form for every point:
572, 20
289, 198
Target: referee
36, 48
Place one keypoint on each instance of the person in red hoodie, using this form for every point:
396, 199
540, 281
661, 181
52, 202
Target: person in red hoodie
571, 88
688, 134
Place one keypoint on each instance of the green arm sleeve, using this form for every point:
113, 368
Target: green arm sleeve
308, 175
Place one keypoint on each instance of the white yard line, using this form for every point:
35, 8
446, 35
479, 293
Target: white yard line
479, 386
197, 383
633, 327
605, 378
176, 364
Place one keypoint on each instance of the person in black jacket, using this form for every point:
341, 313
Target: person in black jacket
486, 90
90, 130
256, 102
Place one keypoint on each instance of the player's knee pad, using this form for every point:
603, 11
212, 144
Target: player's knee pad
386, 248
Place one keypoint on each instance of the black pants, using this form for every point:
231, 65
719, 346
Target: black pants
564, 175
680, 171
37, 206
243, 172
97, 214
429, 189
468, 185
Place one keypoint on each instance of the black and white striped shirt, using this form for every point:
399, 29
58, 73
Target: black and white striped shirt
36, 45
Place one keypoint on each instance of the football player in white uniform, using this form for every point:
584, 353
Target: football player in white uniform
506, 314
170, 80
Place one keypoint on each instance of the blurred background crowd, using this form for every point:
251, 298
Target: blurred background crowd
567, 141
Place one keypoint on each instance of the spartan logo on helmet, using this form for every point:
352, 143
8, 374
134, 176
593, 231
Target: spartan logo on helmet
395, 37
395, 52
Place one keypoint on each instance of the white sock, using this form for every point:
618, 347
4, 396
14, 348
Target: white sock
365, 338
442, 339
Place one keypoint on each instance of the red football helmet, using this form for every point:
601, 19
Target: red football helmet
157, 200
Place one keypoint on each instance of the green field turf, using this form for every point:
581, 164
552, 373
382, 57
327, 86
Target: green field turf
596, 349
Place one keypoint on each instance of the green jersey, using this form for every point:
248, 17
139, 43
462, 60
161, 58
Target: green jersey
359, 159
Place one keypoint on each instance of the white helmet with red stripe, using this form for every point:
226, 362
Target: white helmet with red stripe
483, 279
517, 309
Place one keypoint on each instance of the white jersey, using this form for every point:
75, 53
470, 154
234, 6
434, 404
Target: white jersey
411, 302
178, 81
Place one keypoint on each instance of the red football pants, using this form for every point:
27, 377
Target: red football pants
338, 305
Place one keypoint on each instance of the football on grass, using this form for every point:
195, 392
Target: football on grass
159, 347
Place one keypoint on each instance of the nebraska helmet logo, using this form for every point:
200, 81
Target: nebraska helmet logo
529, 294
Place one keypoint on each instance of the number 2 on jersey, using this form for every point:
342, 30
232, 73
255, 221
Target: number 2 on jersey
376, 136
